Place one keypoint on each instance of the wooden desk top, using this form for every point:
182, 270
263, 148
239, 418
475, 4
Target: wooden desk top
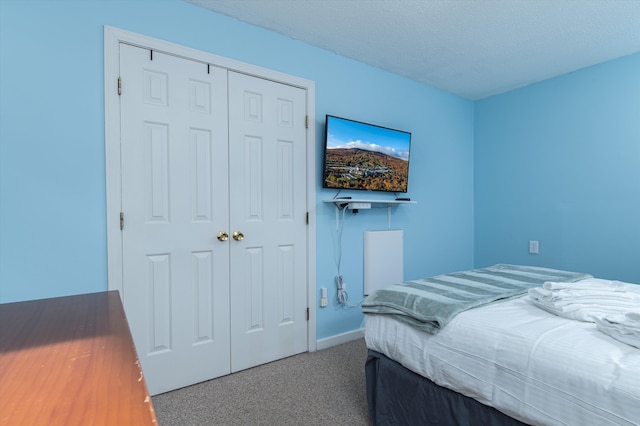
70, 361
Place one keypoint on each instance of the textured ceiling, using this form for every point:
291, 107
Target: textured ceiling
472, 48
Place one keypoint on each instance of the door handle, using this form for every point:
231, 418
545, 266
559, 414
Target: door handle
222, 236
238, 236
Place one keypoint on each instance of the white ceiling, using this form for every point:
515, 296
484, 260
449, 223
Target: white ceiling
472, 48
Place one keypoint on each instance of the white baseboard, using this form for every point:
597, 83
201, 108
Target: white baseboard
339, 339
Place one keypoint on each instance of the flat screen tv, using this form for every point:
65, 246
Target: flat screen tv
364, 156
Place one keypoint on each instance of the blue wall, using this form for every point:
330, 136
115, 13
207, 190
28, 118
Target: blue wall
559, 162
52, 166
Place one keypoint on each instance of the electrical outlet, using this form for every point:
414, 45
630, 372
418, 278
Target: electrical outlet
533, 247
323, 297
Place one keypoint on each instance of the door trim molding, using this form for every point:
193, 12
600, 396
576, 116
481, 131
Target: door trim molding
112, 39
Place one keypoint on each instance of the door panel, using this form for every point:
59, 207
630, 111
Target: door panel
174, 195
267, 145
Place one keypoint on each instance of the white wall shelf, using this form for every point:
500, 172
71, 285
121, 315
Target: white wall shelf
342, 203
374, 203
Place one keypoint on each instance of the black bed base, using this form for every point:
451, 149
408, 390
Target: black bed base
398, 396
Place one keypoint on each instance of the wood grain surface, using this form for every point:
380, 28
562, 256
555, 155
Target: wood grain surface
70, 361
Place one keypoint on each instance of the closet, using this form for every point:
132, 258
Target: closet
214, 216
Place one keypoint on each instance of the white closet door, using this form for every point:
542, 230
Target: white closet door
175, 199
267, 151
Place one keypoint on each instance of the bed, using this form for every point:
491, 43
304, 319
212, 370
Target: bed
501, 361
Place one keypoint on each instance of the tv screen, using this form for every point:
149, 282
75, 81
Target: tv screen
365, 156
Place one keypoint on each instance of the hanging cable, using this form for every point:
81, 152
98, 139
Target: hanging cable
342, 294
339, 230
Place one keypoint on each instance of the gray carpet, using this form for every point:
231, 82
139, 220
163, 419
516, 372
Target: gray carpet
326, 387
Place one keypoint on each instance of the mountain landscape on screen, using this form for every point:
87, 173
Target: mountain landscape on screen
355, 168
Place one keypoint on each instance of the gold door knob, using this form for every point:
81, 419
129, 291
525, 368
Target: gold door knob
238, 236
222, 236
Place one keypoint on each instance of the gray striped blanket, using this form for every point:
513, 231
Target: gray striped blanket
430, 303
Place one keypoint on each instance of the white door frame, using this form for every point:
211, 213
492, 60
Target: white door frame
112, 39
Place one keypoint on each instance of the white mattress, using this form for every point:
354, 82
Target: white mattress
532, 365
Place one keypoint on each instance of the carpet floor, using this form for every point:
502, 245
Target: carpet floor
326, 387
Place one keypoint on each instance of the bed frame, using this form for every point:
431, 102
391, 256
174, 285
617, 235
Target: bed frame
398, 396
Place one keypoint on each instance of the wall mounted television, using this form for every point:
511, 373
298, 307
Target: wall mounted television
365, 156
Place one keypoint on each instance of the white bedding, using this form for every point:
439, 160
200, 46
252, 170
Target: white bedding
532, 365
